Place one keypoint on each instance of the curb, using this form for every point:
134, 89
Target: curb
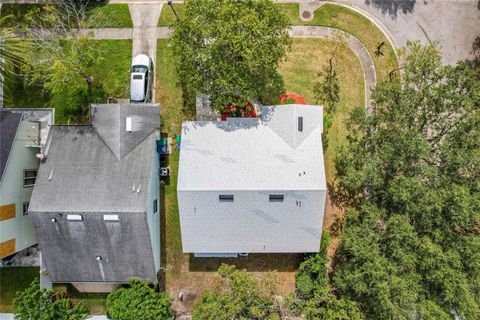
372, 19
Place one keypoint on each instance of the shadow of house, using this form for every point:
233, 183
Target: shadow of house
255, 262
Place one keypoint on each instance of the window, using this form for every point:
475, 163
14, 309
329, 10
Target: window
29, 177
225, 198
25, 208
276, 198
146, 82
74, 217
155, 206
110, 217
300, 124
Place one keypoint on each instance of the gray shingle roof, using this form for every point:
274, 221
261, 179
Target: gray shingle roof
95, 170
9, 122
99, 167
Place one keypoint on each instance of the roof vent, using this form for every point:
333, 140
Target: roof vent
128, 124
300, 124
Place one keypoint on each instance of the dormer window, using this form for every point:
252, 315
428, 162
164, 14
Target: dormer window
74, 217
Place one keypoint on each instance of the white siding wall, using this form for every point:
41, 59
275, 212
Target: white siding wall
251, 223
19, 228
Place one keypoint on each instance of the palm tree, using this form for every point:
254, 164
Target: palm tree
12, 51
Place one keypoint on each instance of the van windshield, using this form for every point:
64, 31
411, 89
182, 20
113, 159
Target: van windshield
141, 69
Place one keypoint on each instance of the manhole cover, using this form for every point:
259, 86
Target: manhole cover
306, 14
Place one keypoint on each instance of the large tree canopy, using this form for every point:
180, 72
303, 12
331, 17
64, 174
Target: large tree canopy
43, 304
139, 301
412, 168
230, 50
62, 59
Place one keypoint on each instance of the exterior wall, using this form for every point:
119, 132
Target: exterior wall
153, 218
12, 191
251, 223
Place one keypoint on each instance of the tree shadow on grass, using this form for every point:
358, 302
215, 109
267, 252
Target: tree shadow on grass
340, 197
391, 7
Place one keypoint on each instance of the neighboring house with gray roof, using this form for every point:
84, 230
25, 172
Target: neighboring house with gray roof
253, 185
23, 133
95, 206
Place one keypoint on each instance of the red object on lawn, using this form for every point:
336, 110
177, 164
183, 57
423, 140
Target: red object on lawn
247, 111
292, 95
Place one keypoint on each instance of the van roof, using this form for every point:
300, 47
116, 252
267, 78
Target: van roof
137, 87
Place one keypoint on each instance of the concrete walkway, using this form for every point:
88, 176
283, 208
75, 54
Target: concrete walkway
454, 24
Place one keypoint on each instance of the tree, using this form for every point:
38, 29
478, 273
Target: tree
43, 304
62, 57
239, 295
313, 296
12, 51
139, 301
230, 50
411, 169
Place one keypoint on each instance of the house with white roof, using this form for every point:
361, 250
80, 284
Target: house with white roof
253, 185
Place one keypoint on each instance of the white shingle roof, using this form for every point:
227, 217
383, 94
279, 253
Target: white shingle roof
255, 154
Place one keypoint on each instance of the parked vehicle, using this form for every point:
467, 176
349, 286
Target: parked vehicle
141, 79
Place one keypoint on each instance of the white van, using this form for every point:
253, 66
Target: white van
141, 79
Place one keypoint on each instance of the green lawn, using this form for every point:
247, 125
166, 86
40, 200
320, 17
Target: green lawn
292, 10
330, 15
109, 16
167, 17
95, 302
114, 70
112, 75
169, 94
354, 23
98, 15
13, 279
300, 72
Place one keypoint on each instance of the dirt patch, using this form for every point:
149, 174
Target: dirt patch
188, 277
